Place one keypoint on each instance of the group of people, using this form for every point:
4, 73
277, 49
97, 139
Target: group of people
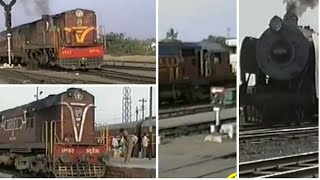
129, 144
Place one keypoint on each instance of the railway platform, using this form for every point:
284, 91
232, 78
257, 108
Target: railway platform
196, 118
5, 175
190, 156
136, 168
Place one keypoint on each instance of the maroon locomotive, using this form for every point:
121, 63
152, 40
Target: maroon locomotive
67, 40
54, 136
187, 71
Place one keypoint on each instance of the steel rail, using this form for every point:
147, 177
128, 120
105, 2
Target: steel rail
298, 165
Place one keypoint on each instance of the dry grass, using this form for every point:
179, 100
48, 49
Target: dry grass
136, 58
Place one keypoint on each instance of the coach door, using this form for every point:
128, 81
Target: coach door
205, 63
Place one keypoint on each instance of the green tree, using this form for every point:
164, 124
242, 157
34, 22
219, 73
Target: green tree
172, 34
120, 44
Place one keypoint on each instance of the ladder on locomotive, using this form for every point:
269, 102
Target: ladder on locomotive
50, 137
103, 133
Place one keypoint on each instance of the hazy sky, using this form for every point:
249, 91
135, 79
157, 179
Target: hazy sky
136, 18
196, 19
108, 99
255, 16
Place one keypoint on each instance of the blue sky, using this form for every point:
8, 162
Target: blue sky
108, 99
136, 18
255, 16
196, 19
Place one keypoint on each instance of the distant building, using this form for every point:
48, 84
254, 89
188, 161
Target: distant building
232, 44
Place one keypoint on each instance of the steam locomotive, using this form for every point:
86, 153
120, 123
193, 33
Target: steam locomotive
67, 40
284, 64
54, 137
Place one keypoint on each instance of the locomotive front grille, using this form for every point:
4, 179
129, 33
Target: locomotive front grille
80, 64
79, 170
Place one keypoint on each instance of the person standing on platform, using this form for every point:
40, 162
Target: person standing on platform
134, 140
115, 144
145, 142
128, 145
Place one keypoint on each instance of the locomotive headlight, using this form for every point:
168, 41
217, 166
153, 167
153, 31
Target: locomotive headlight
99, 141
65, 158
275, 23
66, 140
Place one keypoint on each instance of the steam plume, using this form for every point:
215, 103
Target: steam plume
298, 7
36, 7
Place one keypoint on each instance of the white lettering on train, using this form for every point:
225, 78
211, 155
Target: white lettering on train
92, 151
67, 150
13, 125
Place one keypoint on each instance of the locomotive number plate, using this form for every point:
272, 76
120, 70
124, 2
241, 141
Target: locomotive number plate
67, 150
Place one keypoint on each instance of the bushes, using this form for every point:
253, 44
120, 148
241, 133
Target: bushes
119, 45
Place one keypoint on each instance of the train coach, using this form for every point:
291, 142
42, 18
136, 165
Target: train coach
187, 71
136, 127
67, 40
54, 136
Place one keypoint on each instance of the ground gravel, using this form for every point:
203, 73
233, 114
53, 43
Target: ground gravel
275, 148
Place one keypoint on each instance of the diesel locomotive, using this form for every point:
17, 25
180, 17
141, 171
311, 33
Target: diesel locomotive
187, 71
54, 137
67, 40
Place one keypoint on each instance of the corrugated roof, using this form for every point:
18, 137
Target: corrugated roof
213, 47
130, 124
174, 48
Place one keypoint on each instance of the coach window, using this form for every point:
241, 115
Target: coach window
217, 58
31, 123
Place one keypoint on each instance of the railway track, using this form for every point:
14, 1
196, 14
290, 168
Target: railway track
6, 172
140, 68
125, 77
201, 164
189, 129
294, 166
145, 66
14, 76
262, 134
182, 111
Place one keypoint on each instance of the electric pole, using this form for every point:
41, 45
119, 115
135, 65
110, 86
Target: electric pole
143, 101
150, 125
137, 113
228, 32
37, 94
126, 105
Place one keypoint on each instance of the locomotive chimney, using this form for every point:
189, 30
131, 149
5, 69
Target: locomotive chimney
45, 17
291, 18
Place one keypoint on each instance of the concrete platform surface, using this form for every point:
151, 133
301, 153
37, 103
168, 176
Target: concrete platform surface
5, 175
136, 168
134, 162
196, 118
191, 157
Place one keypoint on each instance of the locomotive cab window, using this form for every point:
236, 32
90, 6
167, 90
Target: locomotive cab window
216, 58
188, 52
